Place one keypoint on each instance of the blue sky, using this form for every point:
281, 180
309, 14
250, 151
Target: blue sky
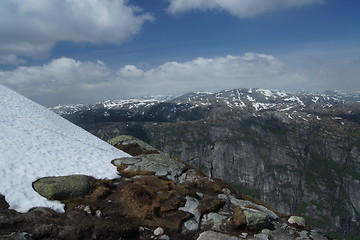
77, 51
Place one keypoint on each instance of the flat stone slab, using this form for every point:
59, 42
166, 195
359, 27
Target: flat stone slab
161, 164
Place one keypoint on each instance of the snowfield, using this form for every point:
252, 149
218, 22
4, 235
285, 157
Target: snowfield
35, 142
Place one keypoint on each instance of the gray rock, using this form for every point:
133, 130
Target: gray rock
16, 236
243, 203
161, 164
61, 188
191, 206
214, 221
189, 176
261, 236
87, 209
211, 235
297, 220
256, 219
159, 231
126, 140
317, 236
164, 237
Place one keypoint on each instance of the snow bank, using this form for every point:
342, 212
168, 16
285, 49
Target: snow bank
36, 143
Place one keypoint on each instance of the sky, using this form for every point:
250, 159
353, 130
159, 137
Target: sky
85, 51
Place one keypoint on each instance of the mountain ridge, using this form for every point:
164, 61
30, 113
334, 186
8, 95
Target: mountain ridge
269, 143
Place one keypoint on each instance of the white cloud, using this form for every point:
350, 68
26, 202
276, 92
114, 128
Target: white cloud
31, 28
238, 8
66, 80
130, 71
10, 59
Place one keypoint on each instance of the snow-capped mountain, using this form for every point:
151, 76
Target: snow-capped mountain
197, 105
36, 143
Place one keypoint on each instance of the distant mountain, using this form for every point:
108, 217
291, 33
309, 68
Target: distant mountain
298, 151
201, 105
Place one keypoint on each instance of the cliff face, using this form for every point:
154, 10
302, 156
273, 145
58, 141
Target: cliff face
304, 161
301, 169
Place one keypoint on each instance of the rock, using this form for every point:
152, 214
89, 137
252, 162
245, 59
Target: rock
61, 188
211, 235
297, 220
87, 209
164, 237
132, 145
316, 236
16, 236
191, 206
214, 221
98, 213
160, 164
256, 219
261, 236
190, 176
243, 235
159, 231
246, 204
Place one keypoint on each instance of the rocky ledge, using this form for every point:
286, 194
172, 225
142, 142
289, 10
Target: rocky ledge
156, 197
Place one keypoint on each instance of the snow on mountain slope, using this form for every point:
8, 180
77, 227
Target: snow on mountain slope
35, 142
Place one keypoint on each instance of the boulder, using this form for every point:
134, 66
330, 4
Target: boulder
256, 219
132, 145
191, 206
61, 188
160, 164
297, 220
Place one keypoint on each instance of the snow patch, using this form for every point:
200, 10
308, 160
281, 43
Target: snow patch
37, 143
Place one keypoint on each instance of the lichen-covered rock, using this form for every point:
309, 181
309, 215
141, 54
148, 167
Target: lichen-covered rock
256, 219
160, 164
297, 220
132, 145
61, 188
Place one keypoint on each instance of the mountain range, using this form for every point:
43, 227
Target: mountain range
300, 152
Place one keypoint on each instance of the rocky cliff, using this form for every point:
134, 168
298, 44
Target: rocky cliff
300, 153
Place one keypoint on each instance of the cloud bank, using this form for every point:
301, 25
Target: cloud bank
66, 80
238, 8
31, 28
